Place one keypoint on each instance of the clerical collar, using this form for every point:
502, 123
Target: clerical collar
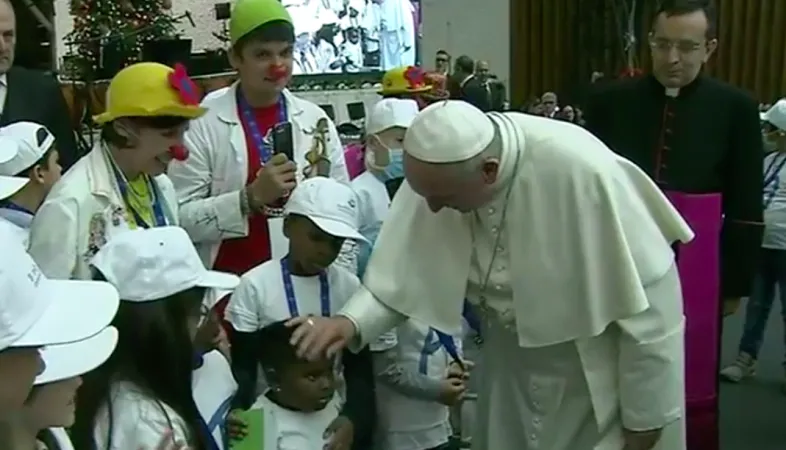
675, 92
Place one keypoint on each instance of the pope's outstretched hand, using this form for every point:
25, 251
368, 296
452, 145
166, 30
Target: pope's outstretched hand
315, 337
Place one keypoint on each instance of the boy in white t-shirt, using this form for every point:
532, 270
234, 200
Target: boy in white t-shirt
771, 278
320, 214
302, 400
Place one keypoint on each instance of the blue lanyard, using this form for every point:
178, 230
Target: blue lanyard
289, 290
14, 207
430, 346
263, 148
449, 343
158, 212
771, 176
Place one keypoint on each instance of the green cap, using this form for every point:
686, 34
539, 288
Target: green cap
250, 14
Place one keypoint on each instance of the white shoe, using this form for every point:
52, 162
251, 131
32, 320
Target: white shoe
744, 367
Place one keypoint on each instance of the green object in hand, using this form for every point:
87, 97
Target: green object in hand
255, 431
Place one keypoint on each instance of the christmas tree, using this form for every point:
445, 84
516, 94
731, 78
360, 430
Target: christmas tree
116, 31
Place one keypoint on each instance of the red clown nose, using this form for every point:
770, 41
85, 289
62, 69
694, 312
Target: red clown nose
277, 72
178, 152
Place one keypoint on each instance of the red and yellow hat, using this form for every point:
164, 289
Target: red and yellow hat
404, 80
149, 90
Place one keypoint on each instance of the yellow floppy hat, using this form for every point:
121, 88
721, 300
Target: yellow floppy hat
149, 90
249, 14
404, 80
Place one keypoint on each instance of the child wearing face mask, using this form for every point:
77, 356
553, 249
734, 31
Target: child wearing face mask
386, 124
156, 384
50, 406
772, 273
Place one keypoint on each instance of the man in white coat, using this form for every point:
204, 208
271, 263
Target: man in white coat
565, 248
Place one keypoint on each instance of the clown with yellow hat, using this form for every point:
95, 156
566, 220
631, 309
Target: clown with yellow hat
121, 184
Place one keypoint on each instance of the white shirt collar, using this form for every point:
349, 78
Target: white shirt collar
4, 80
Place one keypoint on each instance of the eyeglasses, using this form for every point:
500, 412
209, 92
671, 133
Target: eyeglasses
684, 47
442, 60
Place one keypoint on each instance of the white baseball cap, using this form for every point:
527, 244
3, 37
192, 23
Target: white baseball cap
150, 264
331, 205
449, 131
66, 361
36, 311
33, 140
391, 112
9, 185
776, 115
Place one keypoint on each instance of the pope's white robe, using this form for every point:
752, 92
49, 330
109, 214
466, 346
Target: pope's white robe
583, 324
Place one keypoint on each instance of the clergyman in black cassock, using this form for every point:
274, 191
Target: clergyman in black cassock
700, 139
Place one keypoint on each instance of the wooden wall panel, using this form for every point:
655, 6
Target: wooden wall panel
557, 44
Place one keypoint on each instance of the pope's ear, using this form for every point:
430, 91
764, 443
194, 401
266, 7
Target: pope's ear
490, 170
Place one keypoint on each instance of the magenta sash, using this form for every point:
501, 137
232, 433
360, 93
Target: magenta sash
699, 266
353, 156
698, 263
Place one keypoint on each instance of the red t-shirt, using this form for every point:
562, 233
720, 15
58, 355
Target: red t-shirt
240, 255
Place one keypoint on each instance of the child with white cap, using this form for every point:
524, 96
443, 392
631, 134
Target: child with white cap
772, 274
29, 176
149, 387
320, 215
50, 407
385, 127
36, 312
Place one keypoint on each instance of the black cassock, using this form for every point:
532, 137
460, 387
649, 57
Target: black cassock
705, 140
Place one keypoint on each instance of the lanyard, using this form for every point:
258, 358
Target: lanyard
449, 343
289, 290
263, 148
14, 207
771, 176
158, 212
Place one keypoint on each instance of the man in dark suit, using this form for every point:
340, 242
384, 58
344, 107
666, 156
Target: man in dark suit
27, 95
700, 140
464, 85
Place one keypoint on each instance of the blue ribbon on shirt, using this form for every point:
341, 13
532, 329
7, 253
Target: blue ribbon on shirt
289, 290
430, 346
263, 148
217, 421
158, 212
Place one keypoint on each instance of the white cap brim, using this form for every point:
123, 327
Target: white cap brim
75, 310
11, 185
66, 361
219, 281
336, 228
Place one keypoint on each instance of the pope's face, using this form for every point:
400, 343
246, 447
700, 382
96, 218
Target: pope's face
454, 186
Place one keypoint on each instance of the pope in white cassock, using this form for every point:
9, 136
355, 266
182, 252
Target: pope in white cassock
565, 248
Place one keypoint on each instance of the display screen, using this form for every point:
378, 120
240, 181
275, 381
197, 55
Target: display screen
335, 36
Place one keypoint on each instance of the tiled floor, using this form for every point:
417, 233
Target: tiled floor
753, 414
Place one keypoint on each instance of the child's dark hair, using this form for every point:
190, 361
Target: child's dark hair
155, 353
273, 31
275, 351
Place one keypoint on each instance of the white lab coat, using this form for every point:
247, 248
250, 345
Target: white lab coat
81, 213
208, 183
